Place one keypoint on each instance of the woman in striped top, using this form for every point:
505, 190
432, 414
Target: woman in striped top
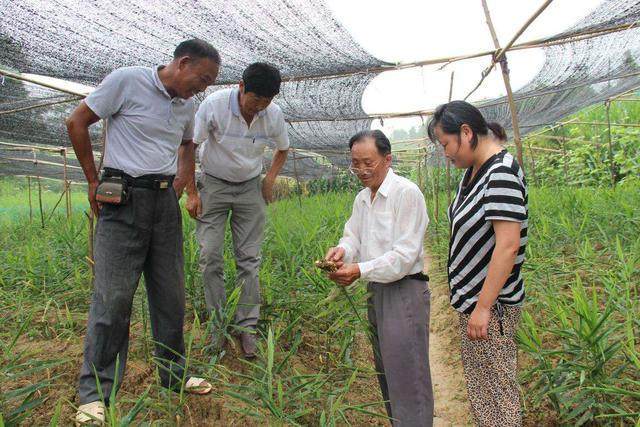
488, 237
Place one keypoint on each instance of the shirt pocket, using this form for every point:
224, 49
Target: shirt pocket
381, 227
259, 144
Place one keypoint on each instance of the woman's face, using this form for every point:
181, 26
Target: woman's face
457, 147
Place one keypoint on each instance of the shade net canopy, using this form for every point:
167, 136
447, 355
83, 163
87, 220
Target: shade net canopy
325, 70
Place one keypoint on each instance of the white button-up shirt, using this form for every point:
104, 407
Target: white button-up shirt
385, 236
233, 149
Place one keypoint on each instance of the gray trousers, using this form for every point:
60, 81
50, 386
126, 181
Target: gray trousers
143, 236
244, 202
399, 317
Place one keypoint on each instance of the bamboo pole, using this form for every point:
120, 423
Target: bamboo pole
66, 183
41, 105
505, 76
608, 124
565, 165
40, 202
30, 206
64, 192
295, 171
533, 163
43, 162
420, 175
501, 52
611, 162
31, 147
448, 162
24, 78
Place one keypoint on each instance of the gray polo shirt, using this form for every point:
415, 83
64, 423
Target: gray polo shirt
145, 125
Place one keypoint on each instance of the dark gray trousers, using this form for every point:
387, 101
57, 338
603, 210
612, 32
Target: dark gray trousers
143, 236
399, 317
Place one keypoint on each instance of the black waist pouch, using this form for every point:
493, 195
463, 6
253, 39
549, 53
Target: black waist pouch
112, 190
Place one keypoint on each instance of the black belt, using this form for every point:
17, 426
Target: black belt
152, 181
231, 182
417, 276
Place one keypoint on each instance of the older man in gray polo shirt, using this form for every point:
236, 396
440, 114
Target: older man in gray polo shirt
237, 124
149, 117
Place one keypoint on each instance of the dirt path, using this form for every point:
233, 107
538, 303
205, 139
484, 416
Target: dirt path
451, 404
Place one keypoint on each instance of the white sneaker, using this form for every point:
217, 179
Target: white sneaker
197, 385
90, 414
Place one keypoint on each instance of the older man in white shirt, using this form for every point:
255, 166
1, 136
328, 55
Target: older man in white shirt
236, 125
383, 244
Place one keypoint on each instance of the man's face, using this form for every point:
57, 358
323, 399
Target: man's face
194, 76
250, 103
368, 164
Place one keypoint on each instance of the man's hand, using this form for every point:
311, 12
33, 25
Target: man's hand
336, 255
267, 189
178, 186
91, 193
478, 325
194, 205
346, 275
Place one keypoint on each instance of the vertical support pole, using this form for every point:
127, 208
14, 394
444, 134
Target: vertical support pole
533, 162
40, 202
295, 172
446, 159
420, 173
507, 84
565, 165
66, 183
30, 206
611, 162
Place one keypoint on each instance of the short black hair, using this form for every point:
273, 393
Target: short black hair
262, 79
453, 115
382, 142
197, 48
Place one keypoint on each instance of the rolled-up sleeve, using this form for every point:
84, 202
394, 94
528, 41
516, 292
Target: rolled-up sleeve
410, 225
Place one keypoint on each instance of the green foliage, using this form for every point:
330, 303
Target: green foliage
582, 155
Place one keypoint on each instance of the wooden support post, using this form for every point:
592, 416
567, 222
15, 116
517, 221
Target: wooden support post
565, 165
66, 183
611, 160
420, 175
295, 172
533, 163
30, 206
446, 159
40, 201
507, 84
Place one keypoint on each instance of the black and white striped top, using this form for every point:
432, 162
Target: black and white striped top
497, 192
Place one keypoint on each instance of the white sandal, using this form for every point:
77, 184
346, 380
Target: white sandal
90, 414
197, 385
